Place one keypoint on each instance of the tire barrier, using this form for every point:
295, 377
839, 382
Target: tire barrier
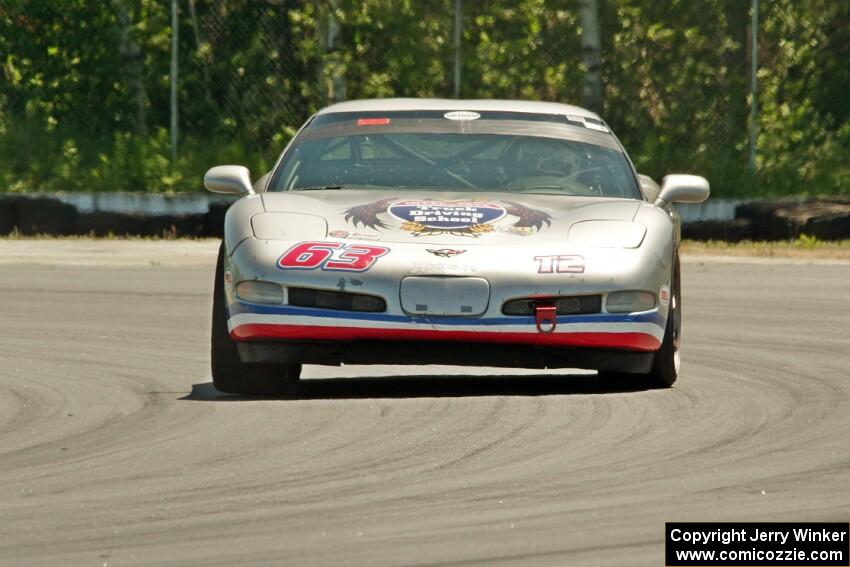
823, 218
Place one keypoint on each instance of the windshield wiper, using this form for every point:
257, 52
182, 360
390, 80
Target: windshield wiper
319, 188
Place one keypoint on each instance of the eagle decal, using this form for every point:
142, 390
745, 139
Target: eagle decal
428, 217
528, 217
367, 214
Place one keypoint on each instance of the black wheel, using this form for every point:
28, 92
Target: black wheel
665, 365
229, 373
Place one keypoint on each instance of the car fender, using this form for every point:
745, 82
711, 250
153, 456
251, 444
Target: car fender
237, 221
661, 230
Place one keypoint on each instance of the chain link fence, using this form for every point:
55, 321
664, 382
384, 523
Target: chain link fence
85, 102
244, 73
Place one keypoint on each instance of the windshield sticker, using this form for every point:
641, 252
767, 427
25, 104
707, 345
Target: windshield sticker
595, 126
461, 115
373, 121
430, 217
588, 123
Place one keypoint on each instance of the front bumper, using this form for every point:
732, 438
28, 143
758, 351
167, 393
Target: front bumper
512, 272
636, 332
442, 352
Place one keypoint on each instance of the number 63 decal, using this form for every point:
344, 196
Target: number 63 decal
331, 256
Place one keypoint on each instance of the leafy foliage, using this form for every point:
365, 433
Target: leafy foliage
84, 94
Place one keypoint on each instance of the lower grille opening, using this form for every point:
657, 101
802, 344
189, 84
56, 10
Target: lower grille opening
338, 300
565, 305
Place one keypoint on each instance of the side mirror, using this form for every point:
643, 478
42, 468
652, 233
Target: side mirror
680, 188
229, 179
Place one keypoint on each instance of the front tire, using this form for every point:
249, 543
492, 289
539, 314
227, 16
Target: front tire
229, 373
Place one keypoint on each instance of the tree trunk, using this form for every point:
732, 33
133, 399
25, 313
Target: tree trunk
591, 54
332, 71
193, 15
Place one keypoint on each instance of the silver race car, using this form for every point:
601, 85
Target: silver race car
478, 232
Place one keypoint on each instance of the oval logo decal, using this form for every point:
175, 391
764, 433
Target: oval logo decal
462, 115
434, 217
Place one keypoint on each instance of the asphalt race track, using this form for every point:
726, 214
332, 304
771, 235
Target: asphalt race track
115, 448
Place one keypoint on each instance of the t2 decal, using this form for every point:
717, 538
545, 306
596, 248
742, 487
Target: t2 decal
560, 264
335, 256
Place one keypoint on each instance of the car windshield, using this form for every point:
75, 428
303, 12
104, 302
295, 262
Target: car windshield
506, 155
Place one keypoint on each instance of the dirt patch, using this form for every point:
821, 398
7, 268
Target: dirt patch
800, 249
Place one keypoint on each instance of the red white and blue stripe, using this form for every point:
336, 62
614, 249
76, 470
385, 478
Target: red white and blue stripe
637, 332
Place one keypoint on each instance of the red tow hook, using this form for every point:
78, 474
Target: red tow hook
545, 314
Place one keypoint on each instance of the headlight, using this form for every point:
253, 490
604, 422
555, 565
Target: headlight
629, 301
288, 226
606, 234
259, 292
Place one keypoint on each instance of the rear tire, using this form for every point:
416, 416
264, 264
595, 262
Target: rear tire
229, 373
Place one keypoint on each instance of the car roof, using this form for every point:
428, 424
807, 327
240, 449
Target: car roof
492, 105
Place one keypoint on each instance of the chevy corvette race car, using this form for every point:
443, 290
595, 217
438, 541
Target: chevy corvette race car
479, 232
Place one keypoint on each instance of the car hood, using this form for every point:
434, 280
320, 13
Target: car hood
440, 217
